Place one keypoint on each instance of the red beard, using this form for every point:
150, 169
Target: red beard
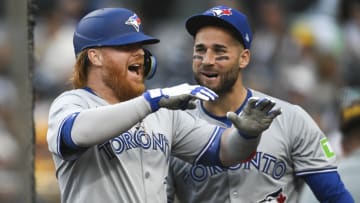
123, 88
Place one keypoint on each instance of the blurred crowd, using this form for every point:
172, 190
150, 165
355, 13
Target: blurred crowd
306, 52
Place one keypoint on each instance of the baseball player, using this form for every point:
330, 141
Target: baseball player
111, 140
292, 151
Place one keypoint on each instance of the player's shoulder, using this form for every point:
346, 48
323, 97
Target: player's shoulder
287, 108
75, 96
74, 93
278, 101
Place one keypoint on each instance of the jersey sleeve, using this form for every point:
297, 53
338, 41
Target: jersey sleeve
311, 151
328, 187
62, 108
192, 136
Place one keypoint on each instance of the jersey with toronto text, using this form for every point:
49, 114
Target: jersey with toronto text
291, 147
131, 167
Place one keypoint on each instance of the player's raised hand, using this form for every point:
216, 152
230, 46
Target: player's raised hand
256, 117
178, 97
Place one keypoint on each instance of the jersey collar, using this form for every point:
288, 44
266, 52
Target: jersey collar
88, 89
224, 119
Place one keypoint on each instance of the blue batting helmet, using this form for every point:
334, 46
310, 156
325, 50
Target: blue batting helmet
109, 27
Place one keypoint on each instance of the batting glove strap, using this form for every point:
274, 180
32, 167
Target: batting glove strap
153, 97
178, 97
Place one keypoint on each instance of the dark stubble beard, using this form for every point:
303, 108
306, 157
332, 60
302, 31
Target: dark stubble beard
227, 81
122, 88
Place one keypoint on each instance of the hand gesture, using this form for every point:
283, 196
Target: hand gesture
255, 118
178, 97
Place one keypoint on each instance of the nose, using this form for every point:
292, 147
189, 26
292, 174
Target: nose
208, 58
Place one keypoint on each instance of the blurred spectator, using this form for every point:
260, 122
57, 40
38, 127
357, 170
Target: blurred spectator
350, 123
273, 48
349, 167
173, 53
9, 179
313, 79
9, 150
349, 18
54, 54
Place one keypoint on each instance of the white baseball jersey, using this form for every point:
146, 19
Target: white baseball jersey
292, 146
131, 167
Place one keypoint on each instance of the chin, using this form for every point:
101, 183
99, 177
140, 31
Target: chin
137, 90
126, 91
210, 84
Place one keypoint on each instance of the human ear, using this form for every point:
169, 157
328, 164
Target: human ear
95, 57
244, 58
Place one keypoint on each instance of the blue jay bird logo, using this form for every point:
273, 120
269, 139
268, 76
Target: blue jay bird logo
134, 21
218, 11
275, 197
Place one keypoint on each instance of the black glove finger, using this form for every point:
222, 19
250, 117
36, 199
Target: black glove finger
269, 106
251, 103
186, 102
234, 118
261, 105
274, 113
191, 103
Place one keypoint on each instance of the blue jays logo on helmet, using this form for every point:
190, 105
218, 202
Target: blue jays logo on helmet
109, 27
223, 16
218, 11
134, 21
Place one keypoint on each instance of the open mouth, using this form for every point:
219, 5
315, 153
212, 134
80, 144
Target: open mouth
210, 75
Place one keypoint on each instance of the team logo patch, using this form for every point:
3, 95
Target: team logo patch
218, 12
325, 145
134, 21
275, 197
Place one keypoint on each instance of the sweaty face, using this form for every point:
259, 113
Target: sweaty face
216, 59
123, 71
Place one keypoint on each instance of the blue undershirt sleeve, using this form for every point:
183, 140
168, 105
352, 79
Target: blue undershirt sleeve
328, 187
212, 154
66, 132
67, 148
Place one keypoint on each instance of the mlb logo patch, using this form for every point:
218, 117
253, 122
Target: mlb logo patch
134, 21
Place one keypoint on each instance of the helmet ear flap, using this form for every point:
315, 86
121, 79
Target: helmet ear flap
150, 64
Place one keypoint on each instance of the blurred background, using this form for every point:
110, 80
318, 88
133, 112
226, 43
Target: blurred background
306, 52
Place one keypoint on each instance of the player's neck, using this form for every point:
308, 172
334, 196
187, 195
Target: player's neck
99, 88
227, 102
103, 92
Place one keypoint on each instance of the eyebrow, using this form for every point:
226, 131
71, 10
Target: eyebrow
199, 46
216, 46
219, 46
